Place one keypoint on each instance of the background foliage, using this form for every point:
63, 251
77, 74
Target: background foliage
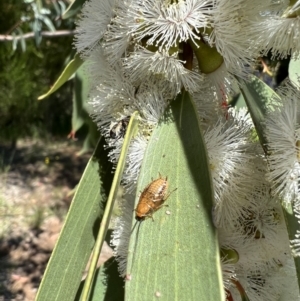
27, 74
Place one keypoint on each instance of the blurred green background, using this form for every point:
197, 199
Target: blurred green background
27, 73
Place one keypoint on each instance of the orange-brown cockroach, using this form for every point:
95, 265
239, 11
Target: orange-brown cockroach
152, 198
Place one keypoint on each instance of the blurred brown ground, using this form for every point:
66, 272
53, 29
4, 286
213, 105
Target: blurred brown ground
37, 182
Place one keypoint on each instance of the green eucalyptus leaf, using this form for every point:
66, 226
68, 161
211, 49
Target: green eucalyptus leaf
56, 7
14, 42
91, 138
70, 69
72, 251
23, 43
80, 114
37, 28
238, 101
108, 285
260, 100
294, 71
177, 256
63, 7
73, 9
130, 133
47, 21
21, 37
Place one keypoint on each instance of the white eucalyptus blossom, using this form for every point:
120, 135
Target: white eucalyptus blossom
142, 64
117, 38
228, 273
91, 27
222, 82
259, 283
168, 24
151, 104
121, 235
283, 135
232, 36
110, 91
281, 31
286, 41
288, 278
233, 166
134, 161
209, 107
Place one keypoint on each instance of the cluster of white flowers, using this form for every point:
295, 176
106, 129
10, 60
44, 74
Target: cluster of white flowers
142, 53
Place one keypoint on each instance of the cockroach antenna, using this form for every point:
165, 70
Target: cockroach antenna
136, 240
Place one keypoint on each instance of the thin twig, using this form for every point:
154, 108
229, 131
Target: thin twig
49, 34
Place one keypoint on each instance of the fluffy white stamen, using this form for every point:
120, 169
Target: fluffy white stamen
165, 24
96, 15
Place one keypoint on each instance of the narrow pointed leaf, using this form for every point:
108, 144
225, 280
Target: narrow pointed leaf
108, 285
80, 113
73, 9
47, 21
238, 102
70, 69
130, 133
72, 251
260, 99
177, 256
